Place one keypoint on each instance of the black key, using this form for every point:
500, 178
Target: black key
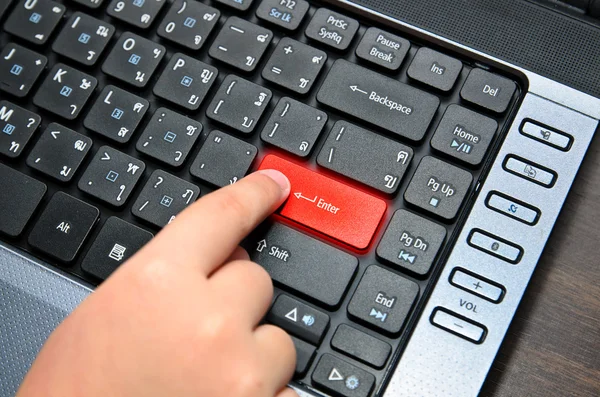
299, 319
342, 378
34, 20
223, 159
241, 44
464, 134
333, 29
383, 49
20, 69
241, 5
185, 81
294, 127
4, 6
438, 187
116, 114
287, 14
83, 39
116, 243
488, 90
383, 299
294, 65
169, 137
384, 102
306, 265
63, 227
163, 197
19, 197
367, 157
139, 13
133, 59
305, 353
17, 125
435, 69
239, 104
361, 346
65, 91
189, 23
411, 242
59, 152
111, 176
93, 4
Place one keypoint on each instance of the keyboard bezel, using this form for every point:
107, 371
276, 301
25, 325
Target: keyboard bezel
365, 259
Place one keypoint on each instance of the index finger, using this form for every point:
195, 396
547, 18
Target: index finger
208, 231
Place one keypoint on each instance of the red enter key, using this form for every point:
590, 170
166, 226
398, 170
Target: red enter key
328, 206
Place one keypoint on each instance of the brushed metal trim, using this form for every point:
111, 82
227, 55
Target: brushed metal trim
435, 362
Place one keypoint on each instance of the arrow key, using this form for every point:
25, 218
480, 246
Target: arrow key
304, 355
342, 378
299, 319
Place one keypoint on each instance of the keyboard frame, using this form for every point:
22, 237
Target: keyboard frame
527, 80
432, 358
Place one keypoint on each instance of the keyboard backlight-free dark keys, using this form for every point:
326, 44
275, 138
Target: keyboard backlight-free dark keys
328, 206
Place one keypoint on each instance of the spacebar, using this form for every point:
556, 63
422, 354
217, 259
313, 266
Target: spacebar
305, 265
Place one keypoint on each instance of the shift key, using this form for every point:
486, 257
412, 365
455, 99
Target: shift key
307, 266
379, 100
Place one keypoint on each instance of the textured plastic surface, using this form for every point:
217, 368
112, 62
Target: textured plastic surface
528, 35
33, 301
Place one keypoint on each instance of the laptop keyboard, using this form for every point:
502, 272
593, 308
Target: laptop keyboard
117, 115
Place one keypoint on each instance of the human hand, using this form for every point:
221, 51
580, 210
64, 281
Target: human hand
180, 318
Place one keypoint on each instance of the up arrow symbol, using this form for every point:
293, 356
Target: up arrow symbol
335, 375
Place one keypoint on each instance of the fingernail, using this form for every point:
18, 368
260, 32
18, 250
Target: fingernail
279, 178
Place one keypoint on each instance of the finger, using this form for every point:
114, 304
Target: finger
238, 254
287, 392
278, 354
245, 286
207, 232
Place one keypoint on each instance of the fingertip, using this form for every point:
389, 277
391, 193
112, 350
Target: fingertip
278, 177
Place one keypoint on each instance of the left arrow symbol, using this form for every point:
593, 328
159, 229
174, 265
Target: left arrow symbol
55, 134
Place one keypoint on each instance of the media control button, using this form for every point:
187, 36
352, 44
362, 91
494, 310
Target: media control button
383, 299
476, 285
495, 246
513, 208
299, 319
549, 136
530, 171
458, 325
